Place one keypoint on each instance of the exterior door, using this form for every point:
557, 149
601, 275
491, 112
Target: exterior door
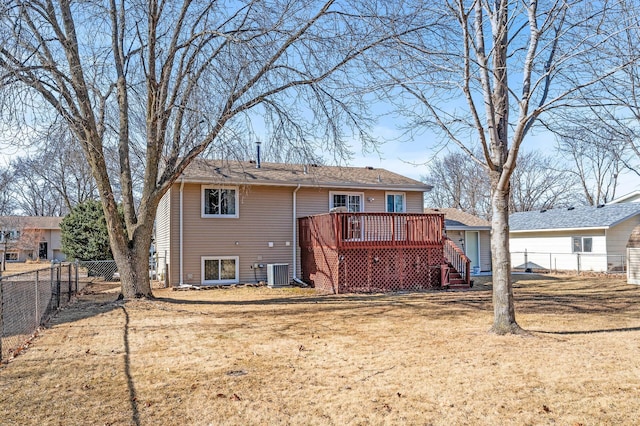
472, 246
42, 250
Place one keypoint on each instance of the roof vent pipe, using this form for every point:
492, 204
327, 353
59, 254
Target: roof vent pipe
258, 154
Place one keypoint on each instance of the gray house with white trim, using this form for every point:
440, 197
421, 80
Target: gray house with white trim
585, 238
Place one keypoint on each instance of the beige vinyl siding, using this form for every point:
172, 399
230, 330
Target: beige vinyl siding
618, 236
264, 216
415, 202
163, 231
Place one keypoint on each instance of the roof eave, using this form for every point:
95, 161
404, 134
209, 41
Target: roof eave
590, 228
388, 187
469, 228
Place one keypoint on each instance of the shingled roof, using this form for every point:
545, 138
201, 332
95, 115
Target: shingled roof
30, 222
585, 217
280, 174
457, 219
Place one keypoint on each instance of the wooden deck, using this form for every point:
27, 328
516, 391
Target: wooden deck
378, 252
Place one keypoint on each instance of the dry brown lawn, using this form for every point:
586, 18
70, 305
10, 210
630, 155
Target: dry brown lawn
287, 356
19, 267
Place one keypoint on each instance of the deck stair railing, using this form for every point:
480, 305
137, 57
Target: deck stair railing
455, 259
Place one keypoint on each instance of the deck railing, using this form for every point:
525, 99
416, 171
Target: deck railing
457, 259
351, 230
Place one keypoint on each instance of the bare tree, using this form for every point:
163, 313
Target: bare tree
163, 82
459, 182
540, 182
29, 241
7, 201
597, 160
603, 135
485, 74
55, 175
33, 195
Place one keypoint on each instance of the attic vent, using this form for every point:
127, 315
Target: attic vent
599, 206
314, 165
571, 208
369, 168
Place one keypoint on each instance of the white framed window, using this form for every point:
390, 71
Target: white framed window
12, 235
352, 201
11, 256
395, 202
219, 201
220, 269
582, 244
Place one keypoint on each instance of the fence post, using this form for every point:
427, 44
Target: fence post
58, 284
77, 274
578, 260
37, 300
69, 282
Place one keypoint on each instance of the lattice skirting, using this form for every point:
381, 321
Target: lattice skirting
363, 270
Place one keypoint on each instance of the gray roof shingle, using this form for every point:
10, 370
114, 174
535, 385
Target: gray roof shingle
281, 174
573, 218
454, 218
30, 222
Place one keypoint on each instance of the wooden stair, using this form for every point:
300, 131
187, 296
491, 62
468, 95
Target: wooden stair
456, 268
456, 281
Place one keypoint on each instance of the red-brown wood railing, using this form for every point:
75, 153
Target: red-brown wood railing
351, 230
457, 259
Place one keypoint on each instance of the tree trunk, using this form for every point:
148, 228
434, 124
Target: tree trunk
504, 321
133, 266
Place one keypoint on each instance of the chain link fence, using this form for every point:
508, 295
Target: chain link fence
29, 299
107, 270
579, 262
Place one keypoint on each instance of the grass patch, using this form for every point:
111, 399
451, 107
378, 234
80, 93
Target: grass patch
287, 356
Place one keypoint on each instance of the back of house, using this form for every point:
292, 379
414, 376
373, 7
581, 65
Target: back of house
227, 222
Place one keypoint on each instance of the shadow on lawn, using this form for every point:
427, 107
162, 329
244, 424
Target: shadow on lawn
573, 332
135, 414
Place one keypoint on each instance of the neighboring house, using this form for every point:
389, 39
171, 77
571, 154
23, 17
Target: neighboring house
470, 233
632, 197
231, 222
582, 238
30, 237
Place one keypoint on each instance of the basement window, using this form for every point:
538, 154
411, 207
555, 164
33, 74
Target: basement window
220, 270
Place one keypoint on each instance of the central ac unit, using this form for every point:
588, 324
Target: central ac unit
277, 274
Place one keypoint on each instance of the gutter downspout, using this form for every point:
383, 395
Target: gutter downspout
295, 236
181, 232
